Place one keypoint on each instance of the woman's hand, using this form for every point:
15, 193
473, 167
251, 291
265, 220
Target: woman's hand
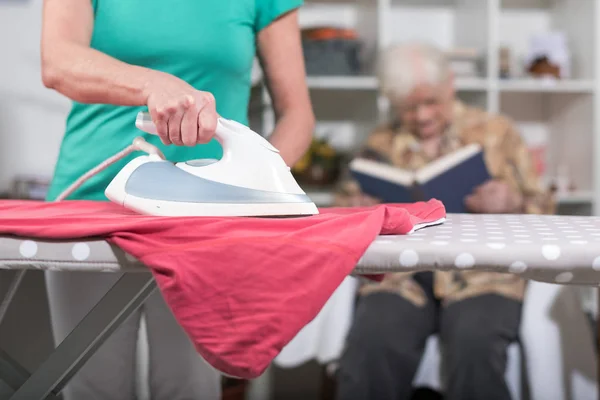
183, 115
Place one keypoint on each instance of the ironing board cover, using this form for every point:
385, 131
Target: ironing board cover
216, 272
552, 249
546, 248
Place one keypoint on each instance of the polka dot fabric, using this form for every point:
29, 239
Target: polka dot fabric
548, 248
555, 249
93, 255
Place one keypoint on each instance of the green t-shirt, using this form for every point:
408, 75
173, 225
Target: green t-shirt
210, 44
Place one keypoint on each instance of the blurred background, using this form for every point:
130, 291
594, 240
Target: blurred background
532, 60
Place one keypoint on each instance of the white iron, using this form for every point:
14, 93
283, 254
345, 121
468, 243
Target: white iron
251, 179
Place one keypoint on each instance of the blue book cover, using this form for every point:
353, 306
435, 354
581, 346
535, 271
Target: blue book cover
449, 179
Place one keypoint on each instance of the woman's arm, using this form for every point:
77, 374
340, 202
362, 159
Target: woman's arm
183, 115
283, 62
81, 73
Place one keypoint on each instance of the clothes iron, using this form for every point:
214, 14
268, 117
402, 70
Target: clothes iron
251, 179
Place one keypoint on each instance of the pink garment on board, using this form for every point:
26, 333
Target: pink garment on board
241, 288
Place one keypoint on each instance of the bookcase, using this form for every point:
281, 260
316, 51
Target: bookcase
560, 115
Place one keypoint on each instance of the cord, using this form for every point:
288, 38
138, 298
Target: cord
139, 144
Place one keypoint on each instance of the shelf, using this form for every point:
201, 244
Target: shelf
462, 84
548, 86
320, 2
576, 197
321, 198
370, 83
342, 82
525, 4
470, 84
424, 3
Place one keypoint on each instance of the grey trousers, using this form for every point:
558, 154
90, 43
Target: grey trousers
176, 370
388, 337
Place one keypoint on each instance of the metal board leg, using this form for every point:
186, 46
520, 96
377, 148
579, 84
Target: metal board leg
126, 295
12, 376
10, 293
12, 373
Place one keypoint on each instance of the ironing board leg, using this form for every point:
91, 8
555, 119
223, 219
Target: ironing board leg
126, 295
10, 293
13, 376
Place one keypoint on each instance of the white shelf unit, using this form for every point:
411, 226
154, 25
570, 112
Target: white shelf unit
565, 111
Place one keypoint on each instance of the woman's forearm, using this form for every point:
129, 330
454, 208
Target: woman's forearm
293, 134
86, 75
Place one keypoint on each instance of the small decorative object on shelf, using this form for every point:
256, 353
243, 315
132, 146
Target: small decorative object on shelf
535, 136
465, 62
548, 56
562, 184
30, 187
320, 165
331, 51
543, 68
504, 61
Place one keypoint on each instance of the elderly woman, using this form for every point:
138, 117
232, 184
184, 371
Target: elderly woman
476, 314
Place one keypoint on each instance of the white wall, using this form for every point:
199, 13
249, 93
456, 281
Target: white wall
31, 116
31, 126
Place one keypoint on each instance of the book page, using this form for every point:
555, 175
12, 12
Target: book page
383, 171
446, 162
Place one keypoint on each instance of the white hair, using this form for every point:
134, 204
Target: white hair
404, 66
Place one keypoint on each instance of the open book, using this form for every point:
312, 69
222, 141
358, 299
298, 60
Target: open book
449, 179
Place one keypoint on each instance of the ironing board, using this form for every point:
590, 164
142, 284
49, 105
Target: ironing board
554, 249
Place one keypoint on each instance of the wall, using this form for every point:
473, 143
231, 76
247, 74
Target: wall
31, 116
31, 124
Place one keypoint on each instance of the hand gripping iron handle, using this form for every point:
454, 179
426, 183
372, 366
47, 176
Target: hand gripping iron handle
227, 132
223, 134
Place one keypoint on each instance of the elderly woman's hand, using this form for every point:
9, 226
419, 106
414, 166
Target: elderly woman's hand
362, 200
494, 197
183, 115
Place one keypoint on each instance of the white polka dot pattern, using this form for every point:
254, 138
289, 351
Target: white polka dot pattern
564, 277
555, 249
464, 260
551, 252
81, 251
28, 248
409, 258
517, 267
93, 255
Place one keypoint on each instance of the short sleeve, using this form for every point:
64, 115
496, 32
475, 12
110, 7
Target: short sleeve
268, 11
